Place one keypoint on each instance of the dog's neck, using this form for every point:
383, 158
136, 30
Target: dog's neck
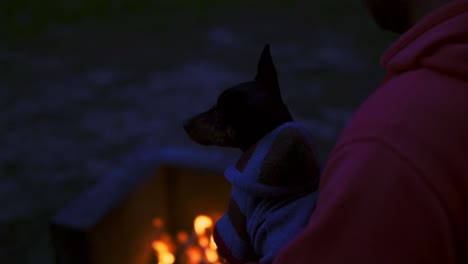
245, 157
247, 151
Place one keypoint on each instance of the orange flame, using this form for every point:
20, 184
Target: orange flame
163, 253
203, 241
182, 237
203, 251
211, 255
201, 223
213, 244
158, 222
194, 255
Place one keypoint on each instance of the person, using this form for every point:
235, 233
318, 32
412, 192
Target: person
395, 186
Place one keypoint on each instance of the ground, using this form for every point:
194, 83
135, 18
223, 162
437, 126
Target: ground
77, 99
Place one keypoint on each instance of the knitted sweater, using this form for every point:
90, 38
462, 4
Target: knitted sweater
273, 195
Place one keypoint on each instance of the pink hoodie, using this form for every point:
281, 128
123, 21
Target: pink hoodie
395, 188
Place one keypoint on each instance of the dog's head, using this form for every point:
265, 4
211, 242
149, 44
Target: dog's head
244, 113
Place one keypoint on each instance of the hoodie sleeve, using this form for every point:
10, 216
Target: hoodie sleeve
374, 207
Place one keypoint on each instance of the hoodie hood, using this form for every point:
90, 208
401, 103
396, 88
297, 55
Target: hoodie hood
438, 42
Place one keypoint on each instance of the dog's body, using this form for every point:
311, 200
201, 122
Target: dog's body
276, 175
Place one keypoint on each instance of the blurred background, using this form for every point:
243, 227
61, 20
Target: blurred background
84, 84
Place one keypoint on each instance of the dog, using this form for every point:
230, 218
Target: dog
275, 180
243, 113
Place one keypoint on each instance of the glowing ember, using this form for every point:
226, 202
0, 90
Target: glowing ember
211, 255
158, 222
201, 223
182, 237
163, 253
194, 255
203, 241
160, 246
198, 248
213, 244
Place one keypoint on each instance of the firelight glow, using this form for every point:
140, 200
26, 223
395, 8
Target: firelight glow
158, 222
213, 245
194, 255
204, 241
162, 250
201, 223
199, 248
182, 237
211, 255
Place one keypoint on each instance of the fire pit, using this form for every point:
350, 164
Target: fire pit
158, 208
198, 247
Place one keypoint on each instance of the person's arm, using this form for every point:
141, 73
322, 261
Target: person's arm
374, 206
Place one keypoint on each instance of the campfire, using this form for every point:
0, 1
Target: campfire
197, 247
147, 214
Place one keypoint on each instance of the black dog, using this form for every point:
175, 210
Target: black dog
275, 179
244, 113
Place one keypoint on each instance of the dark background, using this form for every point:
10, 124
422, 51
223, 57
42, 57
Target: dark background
86, 83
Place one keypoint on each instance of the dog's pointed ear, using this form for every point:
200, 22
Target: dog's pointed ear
266, 72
